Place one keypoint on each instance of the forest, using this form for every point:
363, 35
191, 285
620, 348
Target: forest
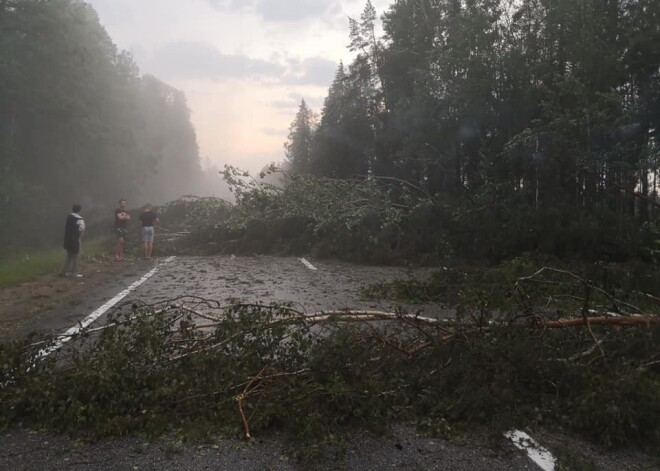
80, 124
502, 127
532, 125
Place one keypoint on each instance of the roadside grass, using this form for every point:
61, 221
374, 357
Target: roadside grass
27, 265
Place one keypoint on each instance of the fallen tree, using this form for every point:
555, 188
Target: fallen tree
204, 368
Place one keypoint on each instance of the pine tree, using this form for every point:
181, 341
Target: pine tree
343, 143
298, 147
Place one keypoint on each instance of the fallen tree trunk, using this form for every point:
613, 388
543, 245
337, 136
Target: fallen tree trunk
617, 321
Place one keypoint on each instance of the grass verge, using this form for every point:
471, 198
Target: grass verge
27, 265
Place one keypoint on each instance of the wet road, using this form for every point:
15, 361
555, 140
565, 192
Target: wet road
265, 279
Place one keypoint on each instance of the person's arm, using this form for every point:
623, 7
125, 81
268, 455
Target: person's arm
81, 228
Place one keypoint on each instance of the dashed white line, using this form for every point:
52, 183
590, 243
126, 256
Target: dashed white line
539, 455
307, 264
68, 335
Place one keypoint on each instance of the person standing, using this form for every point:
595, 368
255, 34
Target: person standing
121, 228
74, 228
148, 218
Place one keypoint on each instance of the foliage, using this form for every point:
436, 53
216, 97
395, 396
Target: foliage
388, 220
332, 210
343, 142
193, 212
568, 460
537, 121
204, 369
299, 145
533, 285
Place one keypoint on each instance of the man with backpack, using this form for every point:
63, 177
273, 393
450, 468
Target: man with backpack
74, 228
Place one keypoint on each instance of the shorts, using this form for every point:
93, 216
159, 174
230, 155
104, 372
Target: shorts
121, 233
148, 234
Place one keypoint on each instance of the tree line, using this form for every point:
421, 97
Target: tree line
79, 123
535, 122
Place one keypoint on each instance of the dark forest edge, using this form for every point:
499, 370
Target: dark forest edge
380, 220
538, 121
80, 124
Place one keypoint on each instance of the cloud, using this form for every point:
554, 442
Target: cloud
114, 12
290, 105
274, 131
283, 11
285, 104
316, 71
296, 10
189, 59
232, 5
204, 60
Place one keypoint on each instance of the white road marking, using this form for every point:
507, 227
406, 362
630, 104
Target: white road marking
307, 264
68, 335
539, 455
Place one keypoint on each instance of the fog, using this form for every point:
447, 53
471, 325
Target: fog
83, 125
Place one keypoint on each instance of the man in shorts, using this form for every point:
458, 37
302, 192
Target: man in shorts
121, 228
148, 218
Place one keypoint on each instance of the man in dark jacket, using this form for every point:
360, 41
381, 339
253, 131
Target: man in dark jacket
74, 229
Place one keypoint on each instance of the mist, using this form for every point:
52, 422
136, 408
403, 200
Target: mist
83, 125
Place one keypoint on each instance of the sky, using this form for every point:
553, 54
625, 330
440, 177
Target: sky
244, 65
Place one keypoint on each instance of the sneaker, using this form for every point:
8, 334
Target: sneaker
78, 275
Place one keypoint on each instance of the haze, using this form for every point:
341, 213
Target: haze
243, 66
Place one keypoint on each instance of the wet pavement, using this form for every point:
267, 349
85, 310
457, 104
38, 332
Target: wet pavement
402, 450
266, 279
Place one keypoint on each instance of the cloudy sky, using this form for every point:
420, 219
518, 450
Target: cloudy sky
244, 65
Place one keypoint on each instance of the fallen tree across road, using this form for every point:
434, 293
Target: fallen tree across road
206, 368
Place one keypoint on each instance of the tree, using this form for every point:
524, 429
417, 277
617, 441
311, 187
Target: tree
342, 144
169, 142
78, 126
298, 147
